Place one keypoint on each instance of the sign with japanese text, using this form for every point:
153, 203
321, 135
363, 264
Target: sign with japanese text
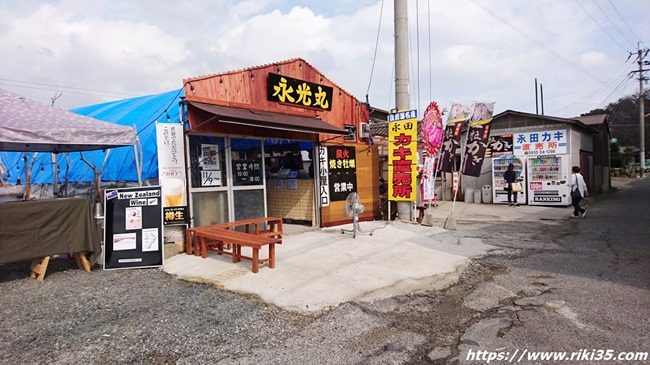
133, 235
210, 165
171, 167
477, 138
553, 142
402, 155
285, 89
501, 145
175, 215
428, 181
342, 166
247, 172
458, 114
323, 177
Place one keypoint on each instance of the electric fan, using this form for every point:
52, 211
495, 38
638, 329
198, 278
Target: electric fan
352, 210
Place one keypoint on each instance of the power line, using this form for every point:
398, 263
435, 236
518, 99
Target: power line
539, 44
374, 58
599, 25
68, 89
624, 22
614, 24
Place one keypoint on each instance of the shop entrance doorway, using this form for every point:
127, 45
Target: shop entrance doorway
290, 170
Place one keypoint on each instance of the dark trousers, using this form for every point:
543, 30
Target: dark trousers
512, 194
577, 209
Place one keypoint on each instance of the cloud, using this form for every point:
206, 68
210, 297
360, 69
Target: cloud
459, 51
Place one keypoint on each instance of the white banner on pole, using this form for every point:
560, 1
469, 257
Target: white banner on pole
428, 180
171, 164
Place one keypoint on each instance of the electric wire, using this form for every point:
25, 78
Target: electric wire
599, 25
429, 31
417, 40
624, 22
374, 58
587, 102
614, 24
535, 41
92, 92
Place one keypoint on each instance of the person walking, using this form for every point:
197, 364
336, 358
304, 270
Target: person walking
578, 191
510, 176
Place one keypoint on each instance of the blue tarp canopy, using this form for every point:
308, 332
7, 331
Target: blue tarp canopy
140, 112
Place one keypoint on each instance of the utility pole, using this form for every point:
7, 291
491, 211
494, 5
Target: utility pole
641, 54
404, 210
55, 97
55, 161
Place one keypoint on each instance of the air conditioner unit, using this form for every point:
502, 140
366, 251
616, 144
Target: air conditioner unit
365, 131
352, 133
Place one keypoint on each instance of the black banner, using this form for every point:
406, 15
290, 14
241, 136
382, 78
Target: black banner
283, 89
450, 142
343, 172
477, 138
133, 236
500, 145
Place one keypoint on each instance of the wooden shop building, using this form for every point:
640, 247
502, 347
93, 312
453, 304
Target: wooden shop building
277, 140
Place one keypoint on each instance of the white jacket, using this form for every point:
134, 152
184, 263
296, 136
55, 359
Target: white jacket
578, 182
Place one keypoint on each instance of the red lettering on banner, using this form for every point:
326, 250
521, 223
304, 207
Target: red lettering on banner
402, 166
342, 154
403, 140
404, 179
402, 191
402, 153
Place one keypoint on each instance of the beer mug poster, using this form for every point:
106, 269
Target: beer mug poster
133, 235
173, 189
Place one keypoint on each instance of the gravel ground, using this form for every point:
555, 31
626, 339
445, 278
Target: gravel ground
137, 316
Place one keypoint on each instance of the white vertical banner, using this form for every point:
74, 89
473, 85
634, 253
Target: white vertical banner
171, 164
428, 181
323, 177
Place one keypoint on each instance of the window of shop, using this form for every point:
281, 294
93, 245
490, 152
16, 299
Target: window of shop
236, 178
209, 182
207, 162
247, 167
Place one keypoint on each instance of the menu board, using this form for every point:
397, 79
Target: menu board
133, 235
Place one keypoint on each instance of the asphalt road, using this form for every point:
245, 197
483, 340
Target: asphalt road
576, 285
585, 289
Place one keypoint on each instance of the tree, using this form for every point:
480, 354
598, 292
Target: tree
615, 155
620, 158
624, 120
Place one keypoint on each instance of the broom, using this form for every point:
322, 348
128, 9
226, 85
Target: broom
450, 222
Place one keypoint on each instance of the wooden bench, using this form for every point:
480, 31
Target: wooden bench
274, 226
223, 240
274, 229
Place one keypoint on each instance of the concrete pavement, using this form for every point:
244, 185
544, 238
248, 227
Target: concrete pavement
323, 268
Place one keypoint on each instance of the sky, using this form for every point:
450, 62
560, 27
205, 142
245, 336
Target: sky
75, 53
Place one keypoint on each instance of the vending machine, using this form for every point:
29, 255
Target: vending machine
548, 180
499, 166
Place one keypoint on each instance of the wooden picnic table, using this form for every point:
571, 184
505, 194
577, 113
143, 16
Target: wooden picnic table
274, 229
223, 239
274, 226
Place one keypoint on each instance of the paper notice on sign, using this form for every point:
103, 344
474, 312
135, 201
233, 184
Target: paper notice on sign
150, 239
124, 241
133, 218
209, 157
